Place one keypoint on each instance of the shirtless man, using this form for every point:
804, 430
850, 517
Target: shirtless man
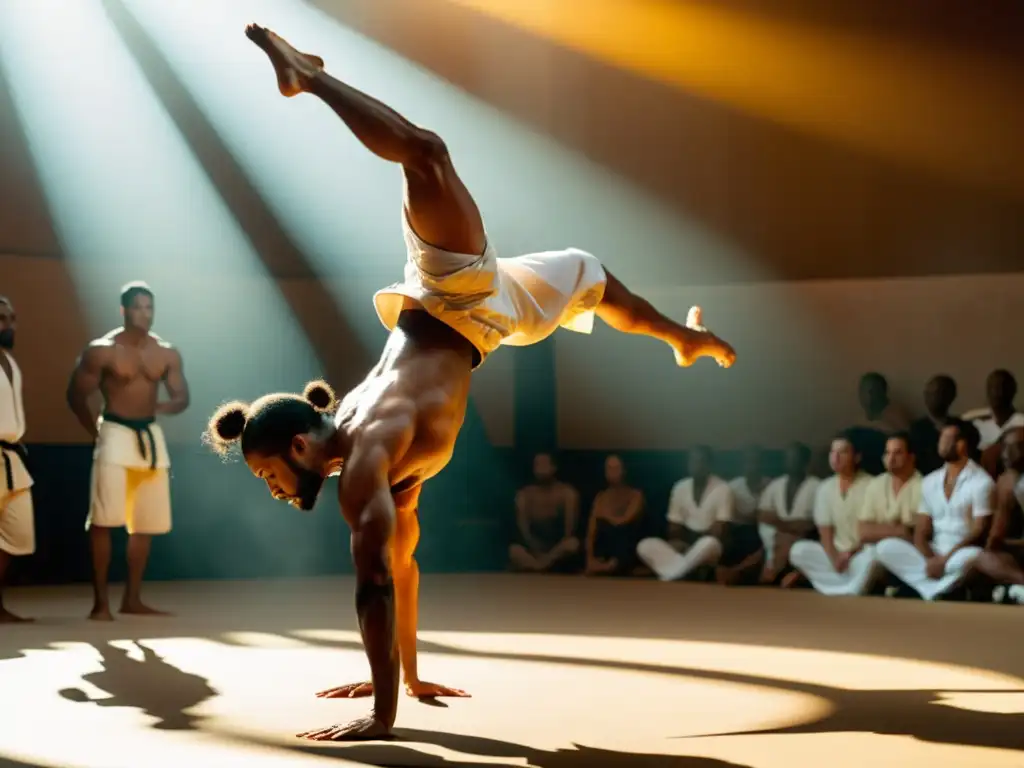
130, 484
616, 519
397, 429
1003, 558
547, 511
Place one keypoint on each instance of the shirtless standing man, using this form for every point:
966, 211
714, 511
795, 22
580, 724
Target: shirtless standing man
397, 429
130, 484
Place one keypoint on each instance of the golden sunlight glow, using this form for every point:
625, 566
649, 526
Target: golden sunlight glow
246, 696
958, 116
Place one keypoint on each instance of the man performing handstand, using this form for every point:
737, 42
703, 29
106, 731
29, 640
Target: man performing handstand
397, 429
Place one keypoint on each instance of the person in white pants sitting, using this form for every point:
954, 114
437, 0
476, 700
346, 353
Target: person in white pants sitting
956, 509
785, 512
893, 499
1003, 558
837, 564
698, 510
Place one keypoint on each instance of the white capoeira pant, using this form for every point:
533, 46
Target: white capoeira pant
670, 565
131, 485
905, 561
493, 301
810, 558
17, 521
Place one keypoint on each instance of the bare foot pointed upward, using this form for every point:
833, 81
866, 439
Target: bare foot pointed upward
700, 342
294, 69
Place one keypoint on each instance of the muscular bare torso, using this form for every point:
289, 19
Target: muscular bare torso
614, 503
544, 503
423, 374
131, 373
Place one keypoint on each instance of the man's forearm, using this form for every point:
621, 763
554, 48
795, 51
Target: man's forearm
925, 548
375, 608
828, 541
872, 533
407, 580
79, 406
173, 406
795, 527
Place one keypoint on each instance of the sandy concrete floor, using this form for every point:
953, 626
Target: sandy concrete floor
564, 672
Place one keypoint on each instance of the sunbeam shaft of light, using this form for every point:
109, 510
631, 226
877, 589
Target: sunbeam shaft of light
129, 201
959, 116
342, 205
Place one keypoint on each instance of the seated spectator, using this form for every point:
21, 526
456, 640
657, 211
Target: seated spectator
939, 395
892, 500
744, 553
547, 511
1001, 415
616, 522
1003, 558
785, 512
837, 564
698, 510
882, 417
952, 524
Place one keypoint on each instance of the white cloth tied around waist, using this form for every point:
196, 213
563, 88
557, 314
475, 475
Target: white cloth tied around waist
14, 475
493, 301
120, 445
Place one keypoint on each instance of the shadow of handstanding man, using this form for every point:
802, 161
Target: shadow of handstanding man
159, 689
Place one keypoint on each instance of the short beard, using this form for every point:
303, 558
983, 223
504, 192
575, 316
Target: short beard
307, 485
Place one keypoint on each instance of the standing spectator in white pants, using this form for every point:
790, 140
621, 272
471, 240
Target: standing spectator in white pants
837, 565
956, 509
698, 510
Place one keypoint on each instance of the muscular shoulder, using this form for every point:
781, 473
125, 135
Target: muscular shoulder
98, 352
1008, 480
386, 434
567, 491
169, 350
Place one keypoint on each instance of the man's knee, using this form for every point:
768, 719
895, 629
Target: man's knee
800, 550
569, 546
427, 149
889, 550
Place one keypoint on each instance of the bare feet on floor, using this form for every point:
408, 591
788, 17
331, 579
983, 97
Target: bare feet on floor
699, 342
6, 617
138, 608
294, 69
101, 613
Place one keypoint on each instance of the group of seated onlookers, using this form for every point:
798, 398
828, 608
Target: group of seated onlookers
931, 507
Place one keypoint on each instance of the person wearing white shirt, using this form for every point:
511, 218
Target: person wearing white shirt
956, 509
1003, 558
17, 529
699, 508
744, 551
785, 511
893, 499
837, 564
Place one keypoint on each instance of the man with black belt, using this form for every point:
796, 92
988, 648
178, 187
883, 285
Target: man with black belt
17, 529
130, 484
